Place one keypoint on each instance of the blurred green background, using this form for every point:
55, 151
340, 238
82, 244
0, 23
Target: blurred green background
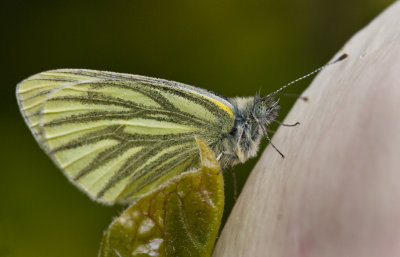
231, 47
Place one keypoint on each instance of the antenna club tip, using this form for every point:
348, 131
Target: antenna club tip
342, 57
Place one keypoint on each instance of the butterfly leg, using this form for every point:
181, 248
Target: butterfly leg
269, 140
270, 131
229, 158
241, 130
287, 125
233, 179
234, 185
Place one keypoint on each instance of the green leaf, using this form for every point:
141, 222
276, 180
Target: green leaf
180, 218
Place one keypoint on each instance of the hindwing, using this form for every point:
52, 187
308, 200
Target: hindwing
117, 136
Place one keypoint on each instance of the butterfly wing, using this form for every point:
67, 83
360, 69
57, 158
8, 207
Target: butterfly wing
117, 136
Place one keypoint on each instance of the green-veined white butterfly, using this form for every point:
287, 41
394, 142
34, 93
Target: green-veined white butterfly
117, 136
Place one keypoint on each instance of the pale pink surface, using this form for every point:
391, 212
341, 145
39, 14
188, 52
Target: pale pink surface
337, 192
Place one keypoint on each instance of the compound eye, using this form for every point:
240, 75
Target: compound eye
260, 111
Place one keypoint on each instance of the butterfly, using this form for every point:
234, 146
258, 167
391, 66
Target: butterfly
118, 136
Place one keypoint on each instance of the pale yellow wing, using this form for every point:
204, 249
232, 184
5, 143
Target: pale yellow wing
117, 136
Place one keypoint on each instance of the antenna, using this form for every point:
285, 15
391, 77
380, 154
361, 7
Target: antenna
342, 57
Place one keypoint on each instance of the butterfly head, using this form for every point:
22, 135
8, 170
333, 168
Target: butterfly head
252, 116
265, 109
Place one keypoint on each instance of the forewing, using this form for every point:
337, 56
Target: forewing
117, 136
